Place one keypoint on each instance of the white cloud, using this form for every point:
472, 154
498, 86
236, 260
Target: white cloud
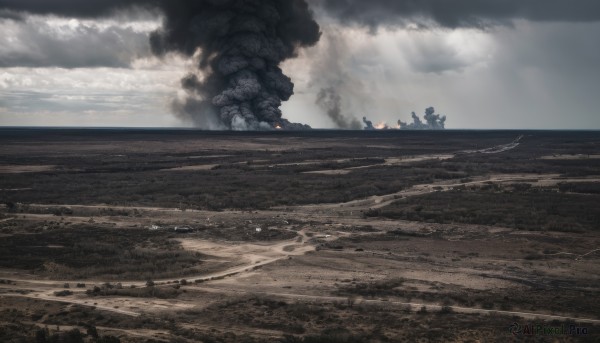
92, 96
45, 41
532, 75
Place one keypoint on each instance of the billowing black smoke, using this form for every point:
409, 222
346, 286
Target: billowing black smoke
240, 45
432, 121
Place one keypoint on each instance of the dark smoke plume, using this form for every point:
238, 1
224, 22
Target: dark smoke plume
331, 102
342, 95
432, 121
240, 45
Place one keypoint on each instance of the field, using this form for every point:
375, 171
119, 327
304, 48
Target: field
324, 236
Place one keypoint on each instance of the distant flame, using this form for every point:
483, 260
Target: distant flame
381, 126
278, 127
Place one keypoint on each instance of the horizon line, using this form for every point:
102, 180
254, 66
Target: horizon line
183, 128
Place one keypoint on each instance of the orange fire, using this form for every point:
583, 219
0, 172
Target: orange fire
278, 127
381, 126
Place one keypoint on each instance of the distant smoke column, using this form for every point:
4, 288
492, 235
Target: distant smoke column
368, 124
241, 45
331, 101
432, 121
416, 120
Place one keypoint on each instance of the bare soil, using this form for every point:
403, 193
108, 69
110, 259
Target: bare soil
315, 237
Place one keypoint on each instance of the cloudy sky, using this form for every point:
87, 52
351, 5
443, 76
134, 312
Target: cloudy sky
523, 64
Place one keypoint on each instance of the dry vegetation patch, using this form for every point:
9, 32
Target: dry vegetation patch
537, 209
83, 252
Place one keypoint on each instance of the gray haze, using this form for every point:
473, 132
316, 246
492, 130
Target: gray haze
329, 100
341, 94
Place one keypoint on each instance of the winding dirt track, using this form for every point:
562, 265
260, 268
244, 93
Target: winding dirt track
251, 256
379, 201
413, 305
48, 297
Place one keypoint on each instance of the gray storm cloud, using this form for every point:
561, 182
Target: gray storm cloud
458, 13
71, 8
240, 44
34, 43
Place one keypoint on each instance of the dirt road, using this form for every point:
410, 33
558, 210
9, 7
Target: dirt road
414, 306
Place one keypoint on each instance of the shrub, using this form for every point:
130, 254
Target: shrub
446, 310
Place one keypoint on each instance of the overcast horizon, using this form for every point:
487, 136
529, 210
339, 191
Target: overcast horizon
530, 68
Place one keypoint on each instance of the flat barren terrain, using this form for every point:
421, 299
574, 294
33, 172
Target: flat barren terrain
324, 236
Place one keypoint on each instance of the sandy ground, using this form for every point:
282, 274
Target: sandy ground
571, 157
388, 162
432, 257
311, 273
375, 202
25, 169
193, 168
